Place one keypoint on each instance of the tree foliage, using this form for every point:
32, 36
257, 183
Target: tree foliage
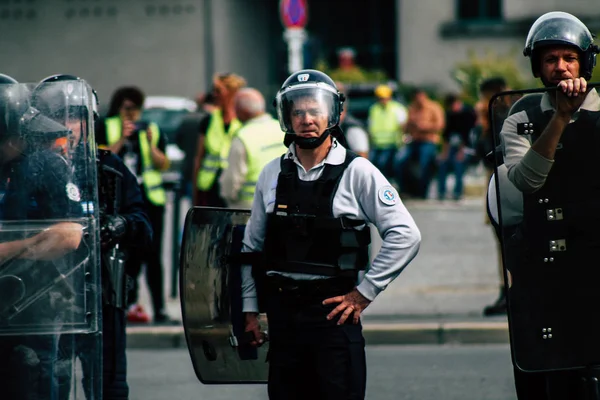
470, 73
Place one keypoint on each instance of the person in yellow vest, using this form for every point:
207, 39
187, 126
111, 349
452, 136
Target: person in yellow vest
143, 150
215, 134
255, 144
386, 119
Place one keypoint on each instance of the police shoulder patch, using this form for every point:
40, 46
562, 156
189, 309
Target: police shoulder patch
388, 195
73, 192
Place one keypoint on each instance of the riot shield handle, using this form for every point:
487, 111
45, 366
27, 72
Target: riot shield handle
12, 291
245, 338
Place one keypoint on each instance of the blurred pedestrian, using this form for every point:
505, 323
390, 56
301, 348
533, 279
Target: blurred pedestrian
186, 138
386, 120
426, 120
460, 120
143, 150
214, 141
256, 143
347, 69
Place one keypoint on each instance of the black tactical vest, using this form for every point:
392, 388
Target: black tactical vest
561, 221
302, 234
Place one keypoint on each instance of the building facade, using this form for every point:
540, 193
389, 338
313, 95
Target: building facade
173, 47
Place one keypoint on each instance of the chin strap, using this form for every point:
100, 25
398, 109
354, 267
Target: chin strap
306, 143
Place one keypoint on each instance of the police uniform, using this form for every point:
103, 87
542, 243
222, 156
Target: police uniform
552, 297
304, 346
137, 156
41, 181
138, 234
123, 221
527, 169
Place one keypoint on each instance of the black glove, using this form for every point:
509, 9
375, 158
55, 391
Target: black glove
112, 230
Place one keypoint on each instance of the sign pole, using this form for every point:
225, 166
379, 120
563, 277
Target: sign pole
295, 38
294, 16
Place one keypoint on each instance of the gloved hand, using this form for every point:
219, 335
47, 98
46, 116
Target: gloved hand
113, 228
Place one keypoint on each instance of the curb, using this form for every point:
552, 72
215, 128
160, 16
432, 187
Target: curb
439, 333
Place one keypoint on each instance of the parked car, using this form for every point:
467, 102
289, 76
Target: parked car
168, 112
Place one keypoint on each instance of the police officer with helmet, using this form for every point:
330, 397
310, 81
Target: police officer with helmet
309, 219
123, 226
550, 154
44, 249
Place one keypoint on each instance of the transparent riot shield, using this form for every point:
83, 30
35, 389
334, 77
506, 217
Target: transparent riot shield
49, 266
211, 298
550, 236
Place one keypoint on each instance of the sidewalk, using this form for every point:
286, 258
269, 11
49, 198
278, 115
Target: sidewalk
438, 299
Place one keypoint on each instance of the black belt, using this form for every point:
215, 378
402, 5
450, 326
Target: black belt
278, 284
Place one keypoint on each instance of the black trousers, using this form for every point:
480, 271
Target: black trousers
152, 257
309, 356
114, 360
28, 370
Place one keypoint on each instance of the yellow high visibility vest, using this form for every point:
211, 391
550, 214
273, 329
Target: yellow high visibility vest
263, 140
151, 177
384, 128
217, 145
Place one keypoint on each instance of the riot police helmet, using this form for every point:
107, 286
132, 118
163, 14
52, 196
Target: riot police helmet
559, 28
13, 103
58, 98
7, 80
55, 101
309, 94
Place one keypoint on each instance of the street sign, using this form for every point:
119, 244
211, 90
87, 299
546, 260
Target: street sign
294, 13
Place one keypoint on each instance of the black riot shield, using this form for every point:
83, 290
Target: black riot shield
549, 233
211, 298
50, 309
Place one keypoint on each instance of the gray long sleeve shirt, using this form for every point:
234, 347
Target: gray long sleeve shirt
363, 194
527, 169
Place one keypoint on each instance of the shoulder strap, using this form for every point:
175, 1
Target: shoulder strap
285, 183
330, 180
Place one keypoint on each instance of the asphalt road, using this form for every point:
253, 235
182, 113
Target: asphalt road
394, 372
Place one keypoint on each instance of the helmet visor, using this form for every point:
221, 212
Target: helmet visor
304, 107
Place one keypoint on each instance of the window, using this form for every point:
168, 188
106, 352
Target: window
478, 10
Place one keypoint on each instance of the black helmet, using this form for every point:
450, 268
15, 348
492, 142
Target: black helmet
315, 85
560, 28
56, 97
13, 103
54, 101
5, 79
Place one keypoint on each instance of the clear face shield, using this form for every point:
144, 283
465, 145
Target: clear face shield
13, 103
66, 103
307, 108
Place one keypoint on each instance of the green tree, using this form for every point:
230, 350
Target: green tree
470, 73
355, 75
